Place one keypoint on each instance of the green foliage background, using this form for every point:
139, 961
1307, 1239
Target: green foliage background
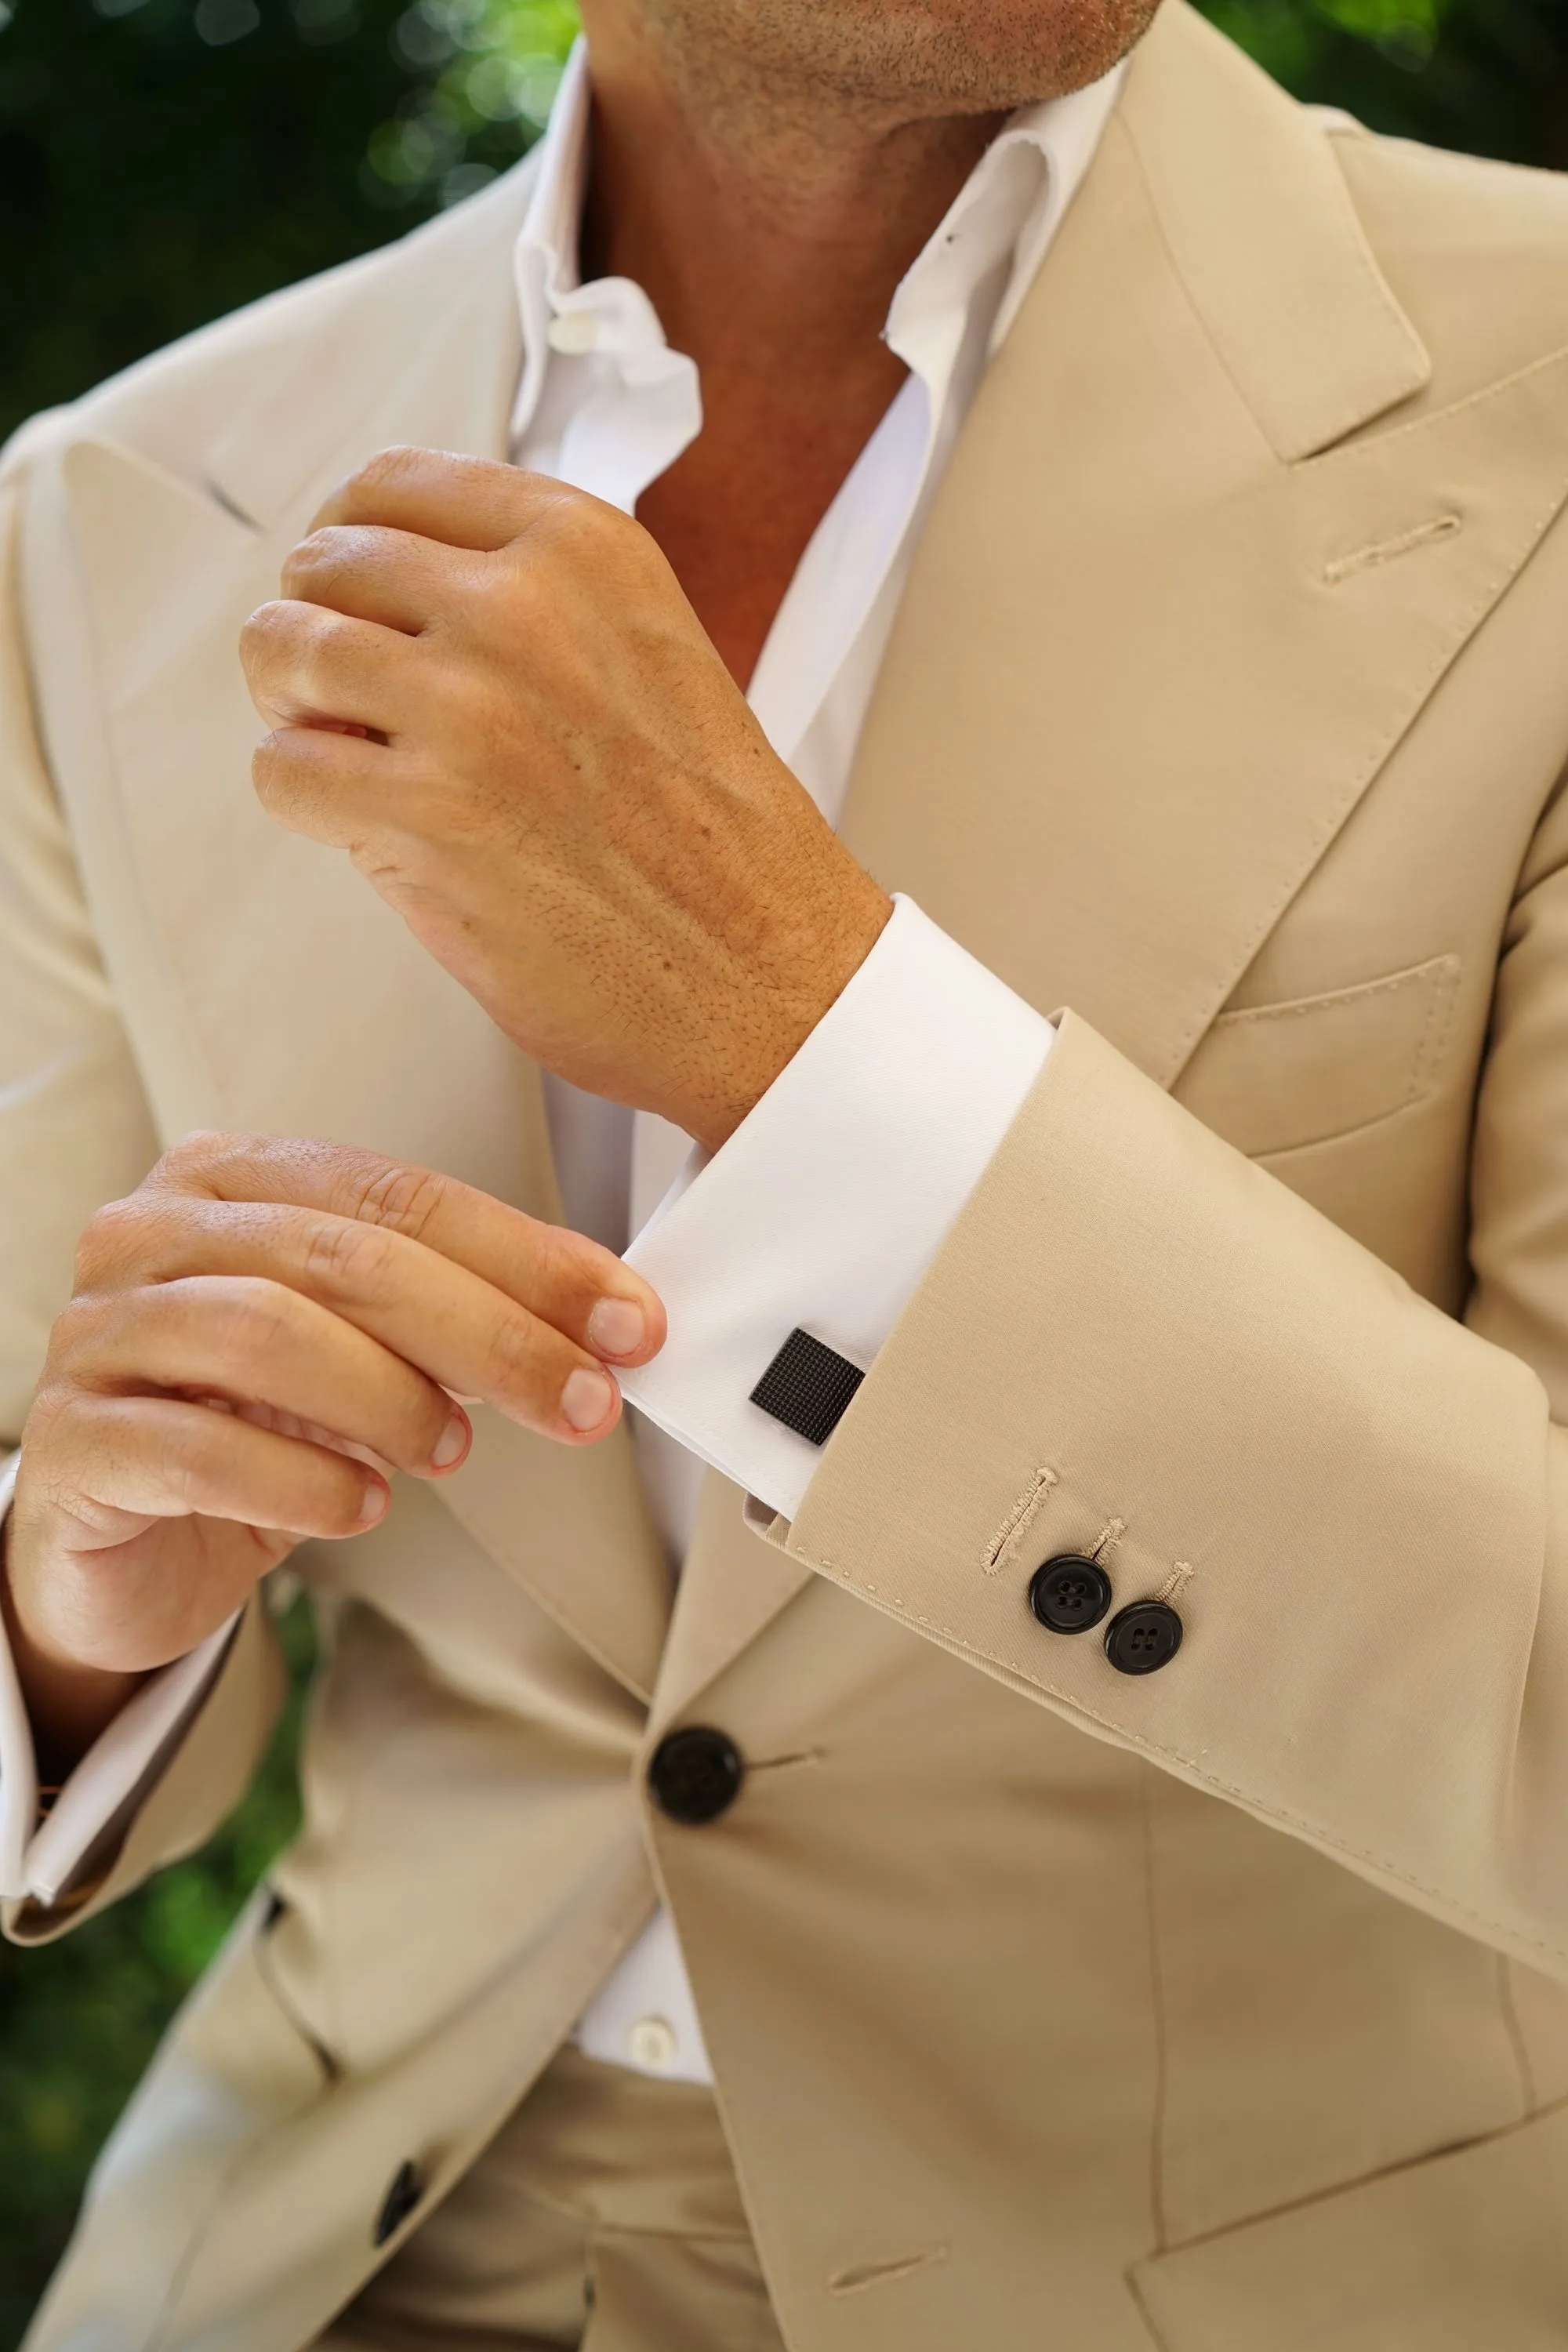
163, 161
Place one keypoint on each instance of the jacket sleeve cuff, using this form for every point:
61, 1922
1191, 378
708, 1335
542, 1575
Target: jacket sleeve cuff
1138, 1346
830, 1201
38, 1859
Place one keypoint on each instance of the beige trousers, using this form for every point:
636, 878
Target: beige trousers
604, 2218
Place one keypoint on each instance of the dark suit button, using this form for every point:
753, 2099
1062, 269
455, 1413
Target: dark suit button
1070, 1593
1144, 1638
406, 2189
696, 1774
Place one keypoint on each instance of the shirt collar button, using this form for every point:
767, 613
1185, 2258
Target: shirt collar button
574, 332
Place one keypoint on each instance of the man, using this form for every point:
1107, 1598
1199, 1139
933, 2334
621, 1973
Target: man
1105, 1783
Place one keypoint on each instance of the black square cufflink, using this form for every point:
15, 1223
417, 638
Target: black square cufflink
808, 1387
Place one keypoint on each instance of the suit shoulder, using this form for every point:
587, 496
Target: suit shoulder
1475, 252
171, 405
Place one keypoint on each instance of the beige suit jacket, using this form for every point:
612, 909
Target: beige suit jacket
1217, 2011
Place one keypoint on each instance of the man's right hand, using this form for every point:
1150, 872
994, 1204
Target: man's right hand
256, 1308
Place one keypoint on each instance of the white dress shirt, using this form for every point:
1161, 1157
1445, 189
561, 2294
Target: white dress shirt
920, 1064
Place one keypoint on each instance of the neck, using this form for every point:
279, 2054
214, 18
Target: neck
770, 239
761, 218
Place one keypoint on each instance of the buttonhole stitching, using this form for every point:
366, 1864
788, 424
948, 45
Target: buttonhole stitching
1388, 551
1008, 1535
783, 1763
864, 2274
1106, 1541
1176, 1583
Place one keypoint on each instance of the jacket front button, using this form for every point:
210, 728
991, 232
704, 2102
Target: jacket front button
406, 2189
1070, 1593
696, 1774
1143, 1638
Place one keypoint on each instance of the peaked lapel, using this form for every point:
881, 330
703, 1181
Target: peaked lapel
1138, 679
266, 987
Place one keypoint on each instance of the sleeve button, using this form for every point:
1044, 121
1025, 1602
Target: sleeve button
1143, 1638
1069, 1593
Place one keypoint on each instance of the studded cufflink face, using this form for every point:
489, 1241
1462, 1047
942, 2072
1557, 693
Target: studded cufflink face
808, 1386
1070, 1593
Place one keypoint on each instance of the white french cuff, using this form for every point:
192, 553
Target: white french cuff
37, 1861
831, 1199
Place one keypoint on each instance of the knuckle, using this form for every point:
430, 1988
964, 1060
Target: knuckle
257, 1316
46, 1431
266, 632
417, 1414
109, 1242
345, 1259
513, 1355
187, 1161
315, 639
321, 550
185, 1462
569, 520
76, 1327
383, 466
292, 776
324, 632
271, 774
207, 1164
407, 1199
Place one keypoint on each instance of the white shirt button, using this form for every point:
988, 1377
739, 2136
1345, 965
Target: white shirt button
654, 2043
574, 332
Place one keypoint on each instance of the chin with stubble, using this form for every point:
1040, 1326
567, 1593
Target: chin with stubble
895, 59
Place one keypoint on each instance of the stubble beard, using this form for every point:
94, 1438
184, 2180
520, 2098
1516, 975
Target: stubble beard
770, 67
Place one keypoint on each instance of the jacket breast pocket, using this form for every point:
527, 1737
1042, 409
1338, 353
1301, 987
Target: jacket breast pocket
1271, 1077
1464, 2252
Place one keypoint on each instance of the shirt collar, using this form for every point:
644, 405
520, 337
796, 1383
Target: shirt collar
1006, 213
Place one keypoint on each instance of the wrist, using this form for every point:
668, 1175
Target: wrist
69, 1705
766, 1033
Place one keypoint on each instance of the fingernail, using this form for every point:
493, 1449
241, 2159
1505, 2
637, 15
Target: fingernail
586, 1399
617, 1327
373, 1507
453, 1444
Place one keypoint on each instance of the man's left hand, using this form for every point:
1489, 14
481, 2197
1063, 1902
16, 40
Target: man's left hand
490, 689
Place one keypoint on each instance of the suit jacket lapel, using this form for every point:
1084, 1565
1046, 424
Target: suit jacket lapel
732, 1587
1167, 623
264, 985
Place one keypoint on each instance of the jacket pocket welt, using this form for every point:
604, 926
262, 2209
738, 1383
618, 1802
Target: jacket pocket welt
1465, 2251
1271, 1077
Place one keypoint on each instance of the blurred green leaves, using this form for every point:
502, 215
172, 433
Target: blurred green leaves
486, 76
1488, 76
164, 161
